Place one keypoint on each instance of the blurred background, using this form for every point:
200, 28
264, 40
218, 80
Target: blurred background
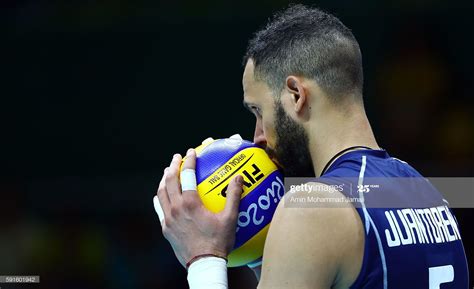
96, 96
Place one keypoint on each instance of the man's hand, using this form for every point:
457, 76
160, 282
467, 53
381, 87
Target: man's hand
190, 228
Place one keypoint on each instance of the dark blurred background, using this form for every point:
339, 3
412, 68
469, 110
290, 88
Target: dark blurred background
96, 96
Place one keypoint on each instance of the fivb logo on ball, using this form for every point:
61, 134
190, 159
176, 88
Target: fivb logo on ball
218, 161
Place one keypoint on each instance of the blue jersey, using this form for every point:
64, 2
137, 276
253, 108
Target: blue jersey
412, 247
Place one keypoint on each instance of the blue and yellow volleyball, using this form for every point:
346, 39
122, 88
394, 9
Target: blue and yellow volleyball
217, 162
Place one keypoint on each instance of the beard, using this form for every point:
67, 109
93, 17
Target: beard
292, 146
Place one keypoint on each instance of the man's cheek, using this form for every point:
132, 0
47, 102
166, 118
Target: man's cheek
269, 133
272, 154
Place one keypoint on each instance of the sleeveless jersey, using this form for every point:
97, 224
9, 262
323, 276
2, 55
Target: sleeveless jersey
406, 247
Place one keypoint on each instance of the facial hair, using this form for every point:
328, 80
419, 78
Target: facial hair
292, 146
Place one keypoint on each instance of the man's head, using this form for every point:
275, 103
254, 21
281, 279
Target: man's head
302, 65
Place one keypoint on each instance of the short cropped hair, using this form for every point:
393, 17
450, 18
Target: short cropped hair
311, 43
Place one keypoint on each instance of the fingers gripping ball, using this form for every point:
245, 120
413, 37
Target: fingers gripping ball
217, 162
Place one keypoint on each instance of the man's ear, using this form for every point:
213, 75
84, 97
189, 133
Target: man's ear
299, 97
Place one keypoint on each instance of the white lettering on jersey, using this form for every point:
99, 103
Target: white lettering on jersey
430, 225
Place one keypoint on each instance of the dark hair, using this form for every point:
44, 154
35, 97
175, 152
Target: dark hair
307, 42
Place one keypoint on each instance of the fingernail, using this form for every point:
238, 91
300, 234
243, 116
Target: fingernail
189, 152
166, 169
176, 155
239, 179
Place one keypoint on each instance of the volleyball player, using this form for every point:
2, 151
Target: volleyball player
303, 82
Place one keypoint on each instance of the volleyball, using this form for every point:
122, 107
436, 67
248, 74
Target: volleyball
217, 162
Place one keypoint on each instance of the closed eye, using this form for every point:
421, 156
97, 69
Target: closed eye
257, 111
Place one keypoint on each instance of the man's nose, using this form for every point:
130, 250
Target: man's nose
259, 137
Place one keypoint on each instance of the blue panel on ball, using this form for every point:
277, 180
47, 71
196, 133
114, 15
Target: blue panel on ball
217, 154
257, 208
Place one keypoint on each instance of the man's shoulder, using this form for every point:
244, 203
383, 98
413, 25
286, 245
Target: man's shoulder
322, 239
320, 210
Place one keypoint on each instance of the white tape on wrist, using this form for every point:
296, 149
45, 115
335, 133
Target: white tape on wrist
158, 209
188, 180
208, 273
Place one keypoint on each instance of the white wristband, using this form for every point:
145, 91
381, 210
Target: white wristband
208, 273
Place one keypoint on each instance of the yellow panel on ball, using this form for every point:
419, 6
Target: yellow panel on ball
213, 188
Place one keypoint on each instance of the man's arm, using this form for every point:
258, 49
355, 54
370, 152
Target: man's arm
313, 247
305, 248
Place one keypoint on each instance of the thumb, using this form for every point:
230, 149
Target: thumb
234, 191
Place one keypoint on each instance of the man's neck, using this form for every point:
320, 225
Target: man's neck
342, 132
